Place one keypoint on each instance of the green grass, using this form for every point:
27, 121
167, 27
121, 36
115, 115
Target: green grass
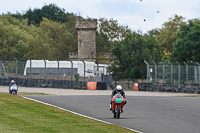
190, 96
26, 93
19, 115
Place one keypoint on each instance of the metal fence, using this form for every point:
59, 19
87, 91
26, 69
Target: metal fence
16, 69
56, 77
173, 73
172, 77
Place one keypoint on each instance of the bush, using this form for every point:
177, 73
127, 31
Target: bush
76, 76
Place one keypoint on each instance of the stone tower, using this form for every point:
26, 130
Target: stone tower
86, 40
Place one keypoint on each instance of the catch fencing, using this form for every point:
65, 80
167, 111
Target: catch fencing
54, 77
173, 73
172, 77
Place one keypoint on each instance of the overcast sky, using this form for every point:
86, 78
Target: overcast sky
126, 12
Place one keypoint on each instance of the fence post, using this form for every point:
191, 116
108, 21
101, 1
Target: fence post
195, 72
1, 71
171, 72
45, 65
30, 68
199, 70
155, 71
147, 70
30, 83
71, 69
58, 69
16, 67
84, 70
96, 62
163, 72
5, 74
186, 71
179, 72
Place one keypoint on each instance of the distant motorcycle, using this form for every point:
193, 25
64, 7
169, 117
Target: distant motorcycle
117, 105
13, 90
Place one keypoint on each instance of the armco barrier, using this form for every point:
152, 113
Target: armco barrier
158, 87
91, 85
50, 83
96, 86
101, 86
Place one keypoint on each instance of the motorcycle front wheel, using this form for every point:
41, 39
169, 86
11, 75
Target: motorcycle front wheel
118, 112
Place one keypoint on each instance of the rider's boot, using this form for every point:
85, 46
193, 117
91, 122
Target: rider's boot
110, 107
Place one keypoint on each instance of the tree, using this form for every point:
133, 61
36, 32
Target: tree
52, 40
14, 37
154, 49
112, 29
167, 35
50, 11
102, 43
187, 45
54, 13
130, 54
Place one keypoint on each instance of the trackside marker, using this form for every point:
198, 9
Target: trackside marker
78, 113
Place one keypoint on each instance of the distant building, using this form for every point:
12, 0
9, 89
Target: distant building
86, 40
37, 67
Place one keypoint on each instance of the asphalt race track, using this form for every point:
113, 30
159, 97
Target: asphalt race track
143, 113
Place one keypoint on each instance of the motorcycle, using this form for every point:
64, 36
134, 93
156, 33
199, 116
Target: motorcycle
117, 105
13, 90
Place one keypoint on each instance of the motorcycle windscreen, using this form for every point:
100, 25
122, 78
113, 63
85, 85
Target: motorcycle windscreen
118, 95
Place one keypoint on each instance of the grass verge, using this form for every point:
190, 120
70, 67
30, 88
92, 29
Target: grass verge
30, 93
25, 93
20, 115
190, 96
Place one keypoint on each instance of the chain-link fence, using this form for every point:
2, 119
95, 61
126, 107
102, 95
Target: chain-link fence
173, 73
172, 77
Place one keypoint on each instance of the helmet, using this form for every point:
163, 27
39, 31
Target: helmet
119, 88
12, 81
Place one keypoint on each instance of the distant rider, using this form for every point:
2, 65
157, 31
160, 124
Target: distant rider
11, 84
118, 90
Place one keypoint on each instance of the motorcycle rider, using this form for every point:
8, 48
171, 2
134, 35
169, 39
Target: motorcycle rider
11, 84
119, 90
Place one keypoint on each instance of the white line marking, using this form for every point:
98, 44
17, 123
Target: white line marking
79, 113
